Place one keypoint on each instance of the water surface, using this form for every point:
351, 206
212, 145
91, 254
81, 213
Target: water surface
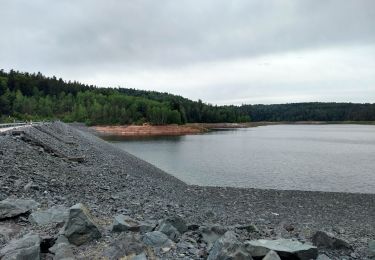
292, 157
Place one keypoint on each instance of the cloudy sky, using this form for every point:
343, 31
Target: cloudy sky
223, 52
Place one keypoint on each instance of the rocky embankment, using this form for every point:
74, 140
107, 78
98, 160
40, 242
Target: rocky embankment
66, 194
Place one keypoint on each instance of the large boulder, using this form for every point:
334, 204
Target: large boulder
156, 239
10, 208
80, 227
228, 247
284, 248
328, 240
57, 214
28, 247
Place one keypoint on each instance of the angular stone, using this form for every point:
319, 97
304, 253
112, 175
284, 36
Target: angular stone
249, 228
57, 214
62, 249
156, 239
126, 246
323, 257
28, 247
328, 240
168, 229
177, 222
371, 248
8, 231
146, 226
123, 223
80, 227
283, 247
211, 234
228, 247
272, 255
10, 208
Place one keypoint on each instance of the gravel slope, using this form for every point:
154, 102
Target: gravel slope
110, 181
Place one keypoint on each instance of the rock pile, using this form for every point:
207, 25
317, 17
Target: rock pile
171, 238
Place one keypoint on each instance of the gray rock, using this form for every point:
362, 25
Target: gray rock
283, 247
123, 223
62, 249
210, 234
156, 239
168, 229
371, 248
228, 247
249, 228
57, 214
80, 227
146, 226
141, 256
10, 208
177, 222
8, 231
327, 240
28, 247
271, 255
126, 246
323, 257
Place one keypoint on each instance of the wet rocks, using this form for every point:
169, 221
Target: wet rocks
28, 247
156, 239
328, 240
80, 227
57, 214
10, 208
283, 247
228, 247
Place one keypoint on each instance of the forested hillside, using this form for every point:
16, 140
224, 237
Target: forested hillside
311, 112
25, 96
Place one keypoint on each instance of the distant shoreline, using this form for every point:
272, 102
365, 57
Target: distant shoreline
197, 128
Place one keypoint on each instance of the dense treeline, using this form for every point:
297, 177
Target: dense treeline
311, 112
25, 96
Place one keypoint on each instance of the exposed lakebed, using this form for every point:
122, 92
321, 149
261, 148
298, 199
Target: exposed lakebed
291, 157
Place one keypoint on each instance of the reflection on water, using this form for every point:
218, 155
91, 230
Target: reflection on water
303, 157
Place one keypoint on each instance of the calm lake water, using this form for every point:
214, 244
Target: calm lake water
291, 157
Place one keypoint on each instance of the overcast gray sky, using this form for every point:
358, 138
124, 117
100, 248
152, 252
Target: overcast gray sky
223, 52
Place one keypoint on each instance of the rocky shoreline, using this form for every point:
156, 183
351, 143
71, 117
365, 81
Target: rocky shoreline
60, 184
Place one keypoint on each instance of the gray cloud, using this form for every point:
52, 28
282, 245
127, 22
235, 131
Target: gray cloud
78, 39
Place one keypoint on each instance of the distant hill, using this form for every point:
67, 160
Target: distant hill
25, 96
